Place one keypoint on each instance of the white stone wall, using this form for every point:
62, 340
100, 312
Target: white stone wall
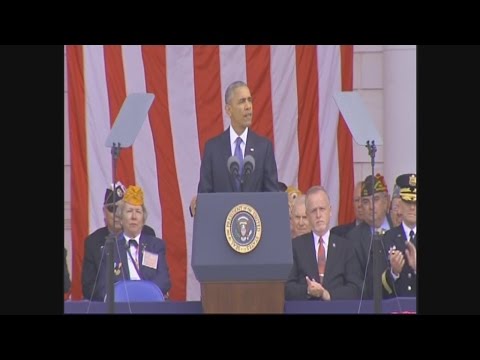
385, 76
400, 115
368, 81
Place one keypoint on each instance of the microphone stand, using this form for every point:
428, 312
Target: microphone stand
124, 131
241, 178
110, 240
247, 170
376, 246
237, 177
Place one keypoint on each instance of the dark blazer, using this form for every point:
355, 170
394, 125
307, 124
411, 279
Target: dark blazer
160, 275
93, 253
406, 284
66, 274
360, 237
214, 174
344, 229
339, 278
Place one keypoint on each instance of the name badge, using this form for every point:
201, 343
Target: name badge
150, 259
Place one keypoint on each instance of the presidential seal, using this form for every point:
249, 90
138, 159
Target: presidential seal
243, 228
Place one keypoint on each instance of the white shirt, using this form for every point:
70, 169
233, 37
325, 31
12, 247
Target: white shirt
385, 226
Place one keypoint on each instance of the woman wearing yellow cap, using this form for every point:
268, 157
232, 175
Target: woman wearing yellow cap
137, 256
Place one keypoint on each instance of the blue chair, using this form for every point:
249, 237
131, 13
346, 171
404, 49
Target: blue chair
137, 291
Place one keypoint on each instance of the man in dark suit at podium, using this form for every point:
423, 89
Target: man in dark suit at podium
238, 140
323, 262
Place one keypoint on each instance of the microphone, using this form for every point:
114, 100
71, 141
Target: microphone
233, 166
248, 165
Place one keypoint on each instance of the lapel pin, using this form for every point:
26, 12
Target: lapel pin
251, 149
334, 245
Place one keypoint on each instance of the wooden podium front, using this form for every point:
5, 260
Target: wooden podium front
251, 297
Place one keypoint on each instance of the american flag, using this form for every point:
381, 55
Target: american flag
292, 89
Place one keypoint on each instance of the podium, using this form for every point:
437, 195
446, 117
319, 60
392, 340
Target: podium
242, 274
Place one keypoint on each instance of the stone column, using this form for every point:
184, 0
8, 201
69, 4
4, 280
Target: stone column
400, 111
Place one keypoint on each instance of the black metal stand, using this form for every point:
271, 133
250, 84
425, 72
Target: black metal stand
376, 241
110, 240
247, 168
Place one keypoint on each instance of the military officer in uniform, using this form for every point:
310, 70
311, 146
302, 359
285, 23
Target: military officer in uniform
399, 279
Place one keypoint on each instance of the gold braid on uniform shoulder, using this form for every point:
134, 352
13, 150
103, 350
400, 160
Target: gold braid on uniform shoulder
385, 282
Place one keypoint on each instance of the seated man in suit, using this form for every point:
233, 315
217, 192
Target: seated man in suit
95, 242
375, 203
322, 261
401, 276
238, 140
137, 256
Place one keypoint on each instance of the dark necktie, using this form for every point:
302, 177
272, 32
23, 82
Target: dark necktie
239, 155
133, 243
412, 235
321, 259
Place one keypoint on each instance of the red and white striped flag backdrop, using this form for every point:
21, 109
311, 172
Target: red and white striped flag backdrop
292, 88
